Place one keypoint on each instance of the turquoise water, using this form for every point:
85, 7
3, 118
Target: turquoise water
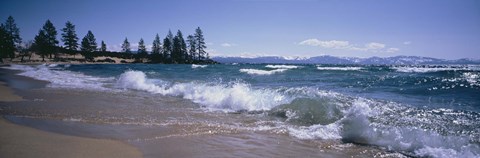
426, 110
455, 87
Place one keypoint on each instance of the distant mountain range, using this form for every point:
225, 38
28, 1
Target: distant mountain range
326, 59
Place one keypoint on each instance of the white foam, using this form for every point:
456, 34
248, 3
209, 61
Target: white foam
20, 67
472, 78
234, 96
340, 68
61, 78
356, 127
52, 65
330, 131
282, 66
261, 72
426, 69
198, 66
442, 152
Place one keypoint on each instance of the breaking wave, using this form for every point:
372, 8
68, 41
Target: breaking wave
357, 124
233, 96
340, 68
282, 66
58, 77
413, 69
198, 66
261, 72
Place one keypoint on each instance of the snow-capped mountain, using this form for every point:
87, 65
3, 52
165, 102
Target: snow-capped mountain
326, 59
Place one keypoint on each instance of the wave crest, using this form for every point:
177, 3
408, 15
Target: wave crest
261, 72
340, 68
356, 126
234, 96
282, 66
58, 77
198, 66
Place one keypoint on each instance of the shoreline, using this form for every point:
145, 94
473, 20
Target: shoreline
23, 141
163, 125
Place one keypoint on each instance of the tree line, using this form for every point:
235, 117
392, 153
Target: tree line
173, 49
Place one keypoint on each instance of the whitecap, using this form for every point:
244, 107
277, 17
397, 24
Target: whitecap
356, 127
472, 78
282, 66
426, 69
229, 97
340, 68
198, 66
61, 78
330, 131
262, 72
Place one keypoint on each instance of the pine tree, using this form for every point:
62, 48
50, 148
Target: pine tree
142, 50
179, 48
89, 43
14, 32
51, 34
69, 37
156, 45
156, 55
192, 46
126, 46
41, 44
183, 48
7, 44
200, 42
141, 47
170, 36
103, 47
168, 47
176, 52
46, 40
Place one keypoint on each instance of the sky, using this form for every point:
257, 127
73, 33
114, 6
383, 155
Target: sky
448, 29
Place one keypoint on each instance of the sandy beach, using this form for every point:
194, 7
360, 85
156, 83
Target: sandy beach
23, 142
19, 141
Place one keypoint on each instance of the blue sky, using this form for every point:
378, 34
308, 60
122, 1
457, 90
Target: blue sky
447, 29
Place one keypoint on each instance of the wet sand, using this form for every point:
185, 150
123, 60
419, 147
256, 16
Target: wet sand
20, 141
7, 95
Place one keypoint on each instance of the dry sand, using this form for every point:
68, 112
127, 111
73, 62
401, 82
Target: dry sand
19, 141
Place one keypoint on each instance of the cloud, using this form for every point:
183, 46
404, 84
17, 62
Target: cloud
346, 45
374, 45
212, 52
392, 50
228, 44
114, 47
149, 47
326, 44
133, 46
407, 42
118, 47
